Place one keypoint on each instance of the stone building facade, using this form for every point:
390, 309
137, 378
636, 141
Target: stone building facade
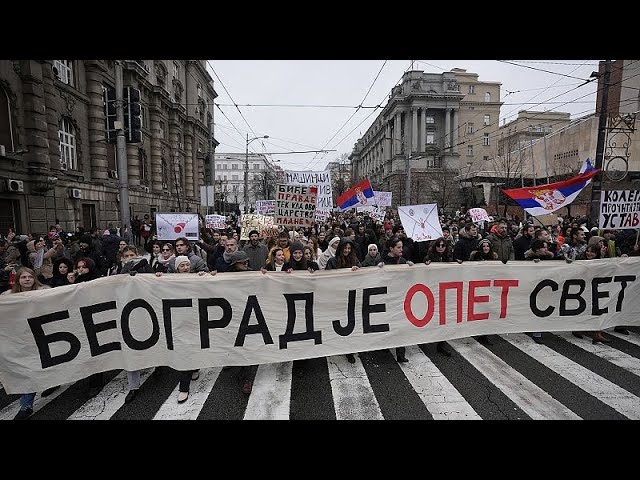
55, 163
432, 127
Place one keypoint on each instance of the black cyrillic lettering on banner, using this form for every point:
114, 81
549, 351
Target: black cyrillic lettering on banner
246, 329
131, 342
93, 329
582, 304
368, 309
351, 317
310, 333
623, 279
167, 305
596, 295
534, 294
206, 324
43, 341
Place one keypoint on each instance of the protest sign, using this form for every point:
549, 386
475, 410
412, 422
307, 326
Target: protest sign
170, 226
322, 180
421, 222
295, 205
619, 209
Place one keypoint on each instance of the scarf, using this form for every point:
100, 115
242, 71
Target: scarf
227, 256
164, 262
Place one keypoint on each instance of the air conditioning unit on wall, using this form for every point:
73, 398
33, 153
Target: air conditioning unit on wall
75, 193
15, 185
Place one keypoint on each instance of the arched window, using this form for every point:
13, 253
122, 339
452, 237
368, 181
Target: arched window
6, 125
161, 75
68, 153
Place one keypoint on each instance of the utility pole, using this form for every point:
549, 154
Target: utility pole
212, 168
596, 184
246, 177
121, 152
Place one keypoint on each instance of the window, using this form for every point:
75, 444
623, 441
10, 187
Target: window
485, 158
485, 139
256, 166
199, 90
472, 89
487, 119
68, 154
234, 177
470, 150
430, 138
143, 116
429, 119
224, 177
487, 97
176, 69
177, 93
225, 166
6, 126
470, 127
143, 165
234, 166
165, 174
64, 69
162, 130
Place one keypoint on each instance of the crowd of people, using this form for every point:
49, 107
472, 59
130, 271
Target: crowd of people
346, 240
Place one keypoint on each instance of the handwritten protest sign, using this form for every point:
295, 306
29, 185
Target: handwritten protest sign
295, 205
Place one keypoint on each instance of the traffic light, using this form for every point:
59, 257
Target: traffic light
132, 115
110, 114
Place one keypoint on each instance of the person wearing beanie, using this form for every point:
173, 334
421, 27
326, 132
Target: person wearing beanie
297, 260
484, 252
182, 262
329, 253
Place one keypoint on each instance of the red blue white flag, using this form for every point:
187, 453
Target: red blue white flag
357, 196
543, 199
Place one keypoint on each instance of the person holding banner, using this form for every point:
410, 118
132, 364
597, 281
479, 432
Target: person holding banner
256, 250
308, 255
329, 253
394, 257
184, 265
345, 258
27, 281
183, 248
298, 260
275, 262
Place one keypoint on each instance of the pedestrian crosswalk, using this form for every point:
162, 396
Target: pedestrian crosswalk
566, 378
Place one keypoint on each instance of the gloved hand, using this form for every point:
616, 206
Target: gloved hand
410, 263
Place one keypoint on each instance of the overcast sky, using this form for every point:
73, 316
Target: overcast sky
327, 93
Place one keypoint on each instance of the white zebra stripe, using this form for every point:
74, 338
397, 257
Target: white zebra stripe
271, 394
199, 391
8, 412
440, 397
104, 405
534, 401
601, 388
613, 355
631, 338
353, 396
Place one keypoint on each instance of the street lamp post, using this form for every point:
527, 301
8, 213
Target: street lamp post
246, 171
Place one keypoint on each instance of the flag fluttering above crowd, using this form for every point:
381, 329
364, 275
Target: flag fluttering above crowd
543, 199
358, 195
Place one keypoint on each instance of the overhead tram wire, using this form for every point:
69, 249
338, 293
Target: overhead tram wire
231, 98
542, 70
353, 114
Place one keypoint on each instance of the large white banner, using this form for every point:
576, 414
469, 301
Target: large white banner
619, 209
421, 222
322, 179
174, 225
60, 335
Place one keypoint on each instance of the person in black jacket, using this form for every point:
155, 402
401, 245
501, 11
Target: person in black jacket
61, 268
394, 257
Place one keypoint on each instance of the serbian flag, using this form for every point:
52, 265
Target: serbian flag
357, 196
544, 199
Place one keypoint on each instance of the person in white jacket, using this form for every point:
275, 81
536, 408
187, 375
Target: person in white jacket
330, 252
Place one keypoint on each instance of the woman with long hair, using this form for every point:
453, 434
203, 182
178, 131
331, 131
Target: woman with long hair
275, 261
26, 281
345, 258
160, 263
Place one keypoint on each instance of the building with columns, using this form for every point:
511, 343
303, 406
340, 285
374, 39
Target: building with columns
55, 163
432, 127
